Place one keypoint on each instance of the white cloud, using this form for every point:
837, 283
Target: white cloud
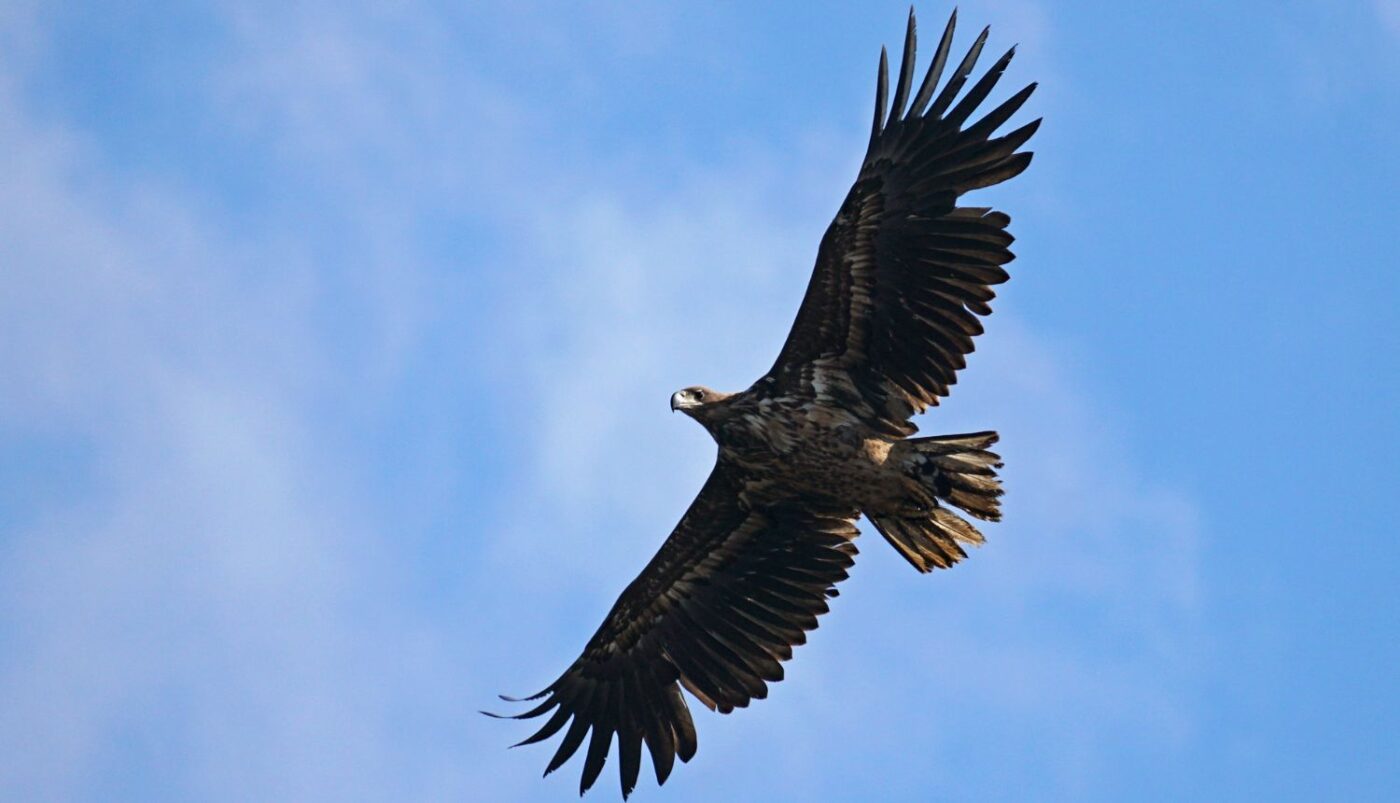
199, 606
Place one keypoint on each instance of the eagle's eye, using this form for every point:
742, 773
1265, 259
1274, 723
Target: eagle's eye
698, 394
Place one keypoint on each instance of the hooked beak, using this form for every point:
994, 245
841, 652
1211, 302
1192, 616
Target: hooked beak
676, 403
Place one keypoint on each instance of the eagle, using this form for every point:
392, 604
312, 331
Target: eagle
903, 275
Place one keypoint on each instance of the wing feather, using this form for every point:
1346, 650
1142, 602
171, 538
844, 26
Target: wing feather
906, 72
718, 609
959, 76
935, 68
882, 82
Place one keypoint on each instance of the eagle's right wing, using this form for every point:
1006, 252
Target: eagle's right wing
725, 600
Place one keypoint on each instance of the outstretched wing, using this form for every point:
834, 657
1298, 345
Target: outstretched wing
903, 272
724, 601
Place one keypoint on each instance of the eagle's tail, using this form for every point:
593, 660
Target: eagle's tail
935, 473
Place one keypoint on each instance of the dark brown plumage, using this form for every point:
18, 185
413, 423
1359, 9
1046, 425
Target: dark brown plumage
902, 276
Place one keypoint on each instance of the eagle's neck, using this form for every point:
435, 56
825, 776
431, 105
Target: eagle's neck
716, 414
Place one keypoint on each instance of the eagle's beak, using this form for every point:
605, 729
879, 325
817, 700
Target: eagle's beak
675, 401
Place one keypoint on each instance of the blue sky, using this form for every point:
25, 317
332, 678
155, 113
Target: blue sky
336, 343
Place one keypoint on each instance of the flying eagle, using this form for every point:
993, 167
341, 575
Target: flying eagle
902, 276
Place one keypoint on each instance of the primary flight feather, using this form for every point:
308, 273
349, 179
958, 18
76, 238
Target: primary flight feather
902, 275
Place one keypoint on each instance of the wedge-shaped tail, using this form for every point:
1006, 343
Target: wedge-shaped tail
937, 474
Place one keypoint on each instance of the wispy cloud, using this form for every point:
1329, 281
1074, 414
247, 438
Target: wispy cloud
205, 596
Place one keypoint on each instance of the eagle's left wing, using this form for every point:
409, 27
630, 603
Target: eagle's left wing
720, 605
903, 272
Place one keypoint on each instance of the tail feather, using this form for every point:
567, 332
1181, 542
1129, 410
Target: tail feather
956, 470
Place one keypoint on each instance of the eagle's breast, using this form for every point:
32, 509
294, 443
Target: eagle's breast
800, 445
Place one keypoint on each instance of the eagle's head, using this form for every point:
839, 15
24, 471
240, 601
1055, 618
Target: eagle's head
698, 402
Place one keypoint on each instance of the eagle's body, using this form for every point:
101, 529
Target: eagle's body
787, 447
902, 277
